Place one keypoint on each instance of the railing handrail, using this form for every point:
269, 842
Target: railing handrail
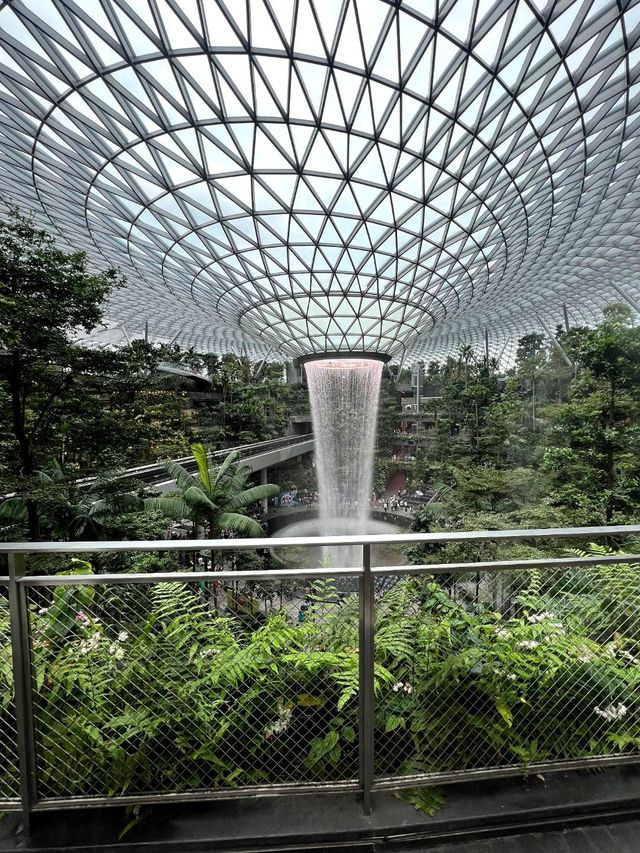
310, 541
186, 577
323, 573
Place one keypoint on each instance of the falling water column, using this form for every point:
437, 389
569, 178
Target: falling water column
344, 395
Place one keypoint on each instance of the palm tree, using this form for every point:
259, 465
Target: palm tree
75, 513
213, 497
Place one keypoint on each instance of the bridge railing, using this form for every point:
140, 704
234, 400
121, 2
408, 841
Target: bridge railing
144, 472
151, 687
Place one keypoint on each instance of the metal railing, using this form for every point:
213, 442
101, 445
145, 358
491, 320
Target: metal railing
155, 470
151, 687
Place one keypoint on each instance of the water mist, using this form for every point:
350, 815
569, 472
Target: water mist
344, 394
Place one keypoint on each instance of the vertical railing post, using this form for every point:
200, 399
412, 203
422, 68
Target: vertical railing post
366, 692
21, 657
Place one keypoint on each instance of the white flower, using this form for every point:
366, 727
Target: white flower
585, 655
208, 653
117, 651
540, 617
528, 644
612, 712
503, 633
43, 610
408, 688
397, 687
281, 723
512, 676
89, 645
123, 637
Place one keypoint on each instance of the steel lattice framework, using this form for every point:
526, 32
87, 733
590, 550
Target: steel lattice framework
303, 176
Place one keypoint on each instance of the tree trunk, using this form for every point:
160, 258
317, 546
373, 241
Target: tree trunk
18, 392
533, 405
609, 452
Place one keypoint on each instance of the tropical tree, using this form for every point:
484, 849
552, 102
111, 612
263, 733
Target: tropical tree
215, 497
70, 509
46, 295
593, 438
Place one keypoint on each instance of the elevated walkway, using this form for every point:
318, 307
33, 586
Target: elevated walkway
257, 457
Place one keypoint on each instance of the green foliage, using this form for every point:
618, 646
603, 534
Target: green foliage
151, 688
212, 498
156, 689
427, 800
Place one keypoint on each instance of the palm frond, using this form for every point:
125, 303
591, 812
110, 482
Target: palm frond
13, 511
240, 523
195, 497
237, 481
172, 507
125, 503
184, 480
200, 455
221, 470
250, 496
115, 504
98, 508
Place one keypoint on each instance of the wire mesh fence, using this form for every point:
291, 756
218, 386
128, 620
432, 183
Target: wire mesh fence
490, 670
208, 683
9, 769
153, 688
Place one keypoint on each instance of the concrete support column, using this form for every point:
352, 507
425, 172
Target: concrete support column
263, 481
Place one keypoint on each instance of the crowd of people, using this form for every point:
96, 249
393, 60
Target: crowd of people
403, 501
294, 497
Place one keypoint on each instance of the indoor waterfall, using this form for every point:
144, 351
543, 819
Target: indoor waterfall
344, 396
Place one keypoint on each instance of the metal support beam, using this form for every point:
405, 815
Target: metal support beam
504, 346
366, 697
263, 482
418, 385
628, 299
263, 362
556, 344
404, 352
20, 651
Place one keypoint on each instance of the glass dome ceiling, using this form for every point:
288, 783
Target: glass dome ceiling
299, 176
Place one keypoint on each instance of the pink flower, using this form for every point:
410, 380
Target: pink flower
81, 616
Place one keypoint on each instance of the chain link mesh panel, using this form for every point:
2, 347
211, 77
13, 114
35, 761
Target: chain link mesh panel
507, 668
170, 687
9, 770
